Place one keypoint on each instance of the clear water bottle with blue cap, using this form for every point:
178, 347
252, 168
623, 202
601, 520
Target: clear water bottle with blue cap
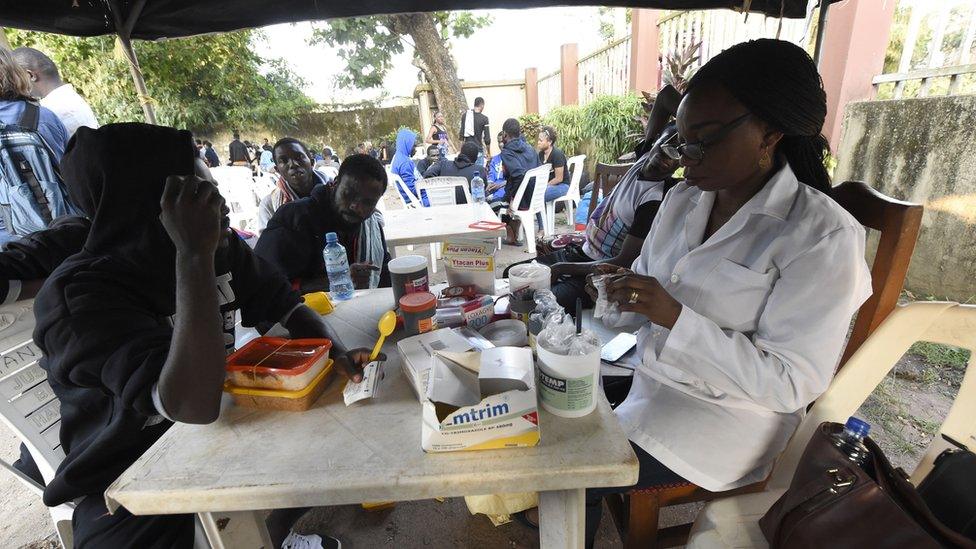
337, 267
478, 189
850, 441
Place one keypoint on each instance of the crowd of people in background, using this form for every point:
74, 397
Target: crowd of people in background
144, 274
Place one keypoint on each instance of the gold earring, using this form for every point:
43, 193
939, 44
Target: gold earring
764, 161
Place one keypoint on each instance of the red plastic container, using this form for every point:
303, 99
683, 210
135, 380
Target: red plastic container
277, 363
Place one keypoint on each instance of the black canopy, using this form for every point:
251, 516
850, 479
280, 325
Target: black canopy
154, 19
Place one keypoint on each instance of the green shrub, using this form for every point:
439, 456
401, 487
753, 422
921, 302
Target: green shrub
571, 134
530, 123
609, 120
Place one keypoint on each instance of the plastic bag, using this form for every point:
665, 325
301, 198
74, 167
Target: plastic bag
606, 310
500, 507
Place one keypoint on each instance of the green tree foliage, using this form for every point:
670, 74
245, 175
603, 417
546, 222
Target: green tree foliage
200, 83
369, 44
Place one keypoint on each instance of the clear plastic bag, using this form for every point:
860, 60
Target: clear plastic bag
606, 310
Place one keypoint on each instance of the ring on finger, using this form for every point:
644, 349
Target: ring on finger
633, 297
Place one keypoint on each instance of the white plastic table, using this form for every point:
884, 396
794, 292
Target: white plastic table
437, 224
251, 460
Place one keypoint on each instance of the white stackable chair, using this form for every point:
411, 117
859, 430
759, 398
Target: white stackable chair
574, 167
441, 192
734, 521
537, 205
236, 185
29, 408
411, 201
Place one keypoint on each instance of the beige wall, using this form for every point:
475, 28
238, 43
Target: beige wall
503, 100
922, 150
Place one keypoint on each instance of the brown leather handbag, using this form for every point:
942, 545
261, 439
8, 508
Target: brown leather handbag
832, 502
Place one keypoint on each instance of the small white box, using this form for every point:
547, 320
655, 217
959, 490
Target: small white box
480, 401
417, 354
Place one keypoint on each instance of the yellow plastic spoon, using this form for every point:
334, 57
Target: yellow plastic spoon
386, 326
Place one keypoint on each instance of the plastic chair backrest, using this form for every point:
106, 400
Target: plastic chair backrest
441, 190
575, 166
540, 175
27, 403
898, 223
937, 322
411, 201
605, 178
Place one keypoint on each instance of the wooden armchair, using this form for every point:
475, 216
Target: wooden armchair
636, 513
605, 179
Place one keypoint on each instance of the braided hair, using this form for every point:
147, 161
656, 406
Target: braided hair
778, 82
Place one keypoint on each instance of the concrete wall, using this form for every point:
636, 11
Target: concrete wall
922, 150
503, 99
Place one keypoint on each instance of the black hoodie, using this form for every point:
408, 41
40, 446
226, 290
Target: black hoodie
103, 316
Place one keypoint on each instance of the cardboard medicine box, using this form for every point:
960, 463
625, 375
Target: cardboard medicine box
470, 263
480, 400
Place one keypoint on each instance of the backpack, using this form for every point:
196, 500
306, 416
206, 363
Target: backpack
32, 192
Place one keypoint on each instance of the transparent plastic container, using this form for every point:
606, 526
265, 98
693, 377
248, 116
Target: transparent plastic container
274, 399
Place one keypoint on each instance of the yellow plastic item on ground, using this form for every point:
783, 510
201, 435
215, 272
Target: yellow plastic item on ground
378, 505
500, 507
319, 302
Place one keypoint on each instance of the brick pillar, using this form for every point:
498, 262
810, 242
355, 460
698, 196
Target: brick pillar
532, 91
855, 42
569, 74
645, 63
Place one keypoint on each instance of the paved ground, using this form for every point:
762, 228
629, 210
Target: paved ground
25, 521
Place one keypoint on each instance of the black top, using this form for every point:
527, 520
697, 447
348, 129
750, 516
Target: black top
238, 152
482, 134
558, 160
36, 255
295, 237
103, 316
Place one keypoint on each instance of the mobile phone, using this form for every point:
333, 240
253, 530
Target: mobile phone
618, 347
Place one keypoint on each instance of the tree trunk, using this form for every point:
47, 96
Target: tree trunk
439, 68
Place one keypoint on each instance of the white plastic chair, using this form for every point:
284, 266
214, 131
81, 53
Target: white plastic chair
236, 185
734, 521
537, 205
441, 191
572, 197
411, 201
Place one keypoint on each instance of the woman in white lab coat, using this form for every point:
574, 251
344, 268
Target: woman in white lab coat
747, 282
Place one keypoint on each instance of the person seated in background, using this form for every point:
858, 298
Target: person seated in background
295, 236
745, 287
616, 231
432, 158
210, 155
462, 166
495, 184
136, 326
296, 178
550, 154
404, 167
518, 157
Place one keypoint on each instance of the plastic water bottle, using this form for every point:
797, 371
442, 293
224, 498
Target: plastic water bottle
850, 441
478, 189
337, 266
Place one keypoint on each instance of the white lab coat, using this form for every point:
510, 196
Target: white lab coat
767, 302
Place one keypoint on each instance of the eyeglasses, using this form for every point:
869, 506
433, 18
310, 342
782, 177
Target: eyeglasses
695, 152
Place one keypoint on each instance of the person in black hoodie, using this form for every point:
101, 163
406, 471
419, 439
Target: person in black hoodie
462, 166
135, 327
